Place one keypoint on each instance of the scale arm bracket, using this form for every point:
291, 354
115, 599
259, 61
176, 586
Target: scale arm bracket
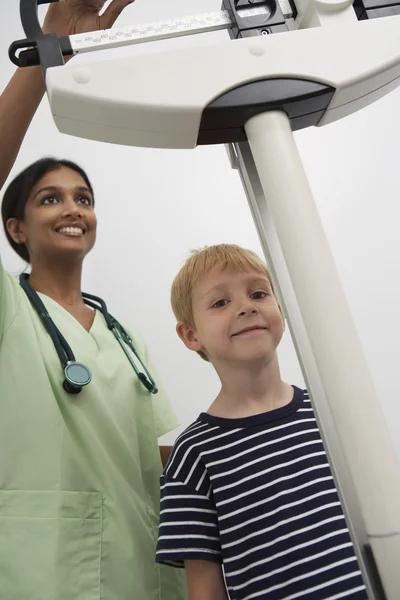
161, 99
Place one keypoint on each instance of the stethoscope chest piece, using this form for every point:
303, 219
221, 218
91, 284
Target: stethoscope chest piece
77, 375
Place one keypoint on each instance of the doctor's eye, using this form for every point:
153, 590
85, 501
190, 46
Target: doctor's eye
85, 200
49, 200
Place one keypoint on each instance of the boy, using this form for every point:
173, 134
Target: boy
247, 496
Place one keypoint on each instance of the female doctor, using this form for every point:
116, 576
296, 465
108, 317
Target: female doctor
79, 416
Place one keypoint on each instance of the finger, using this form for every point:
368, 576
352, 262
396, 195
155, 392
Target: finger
84, 4
113, 11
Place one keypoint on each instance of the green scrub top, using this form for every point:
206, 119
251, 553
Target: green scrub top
79, 475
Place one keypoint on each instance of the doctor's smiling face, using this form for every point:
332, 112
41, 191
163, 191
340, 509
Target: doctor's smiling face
54, 216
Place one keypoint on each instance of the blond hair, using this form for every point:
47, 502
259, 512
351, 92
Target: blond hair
199, 264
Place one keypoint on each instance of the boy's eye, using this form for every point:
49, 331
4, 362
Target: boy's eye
219, 303
258, 295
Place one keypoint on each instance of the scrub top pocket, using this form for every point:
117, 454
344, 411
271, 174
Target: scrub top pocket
50, 545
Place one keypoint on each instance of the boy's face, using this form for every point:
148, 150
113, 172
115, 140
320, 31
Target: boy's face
236, 317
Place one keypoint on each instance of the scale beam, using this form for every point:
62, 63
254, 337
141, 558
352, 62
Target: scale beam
26, 52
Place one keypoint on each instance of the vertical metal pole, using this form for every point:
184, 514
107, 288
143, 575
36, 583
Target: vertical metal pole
241, 158
333, 338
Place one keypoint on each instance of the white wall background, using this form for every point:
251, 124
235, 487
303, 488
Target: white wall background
154, 205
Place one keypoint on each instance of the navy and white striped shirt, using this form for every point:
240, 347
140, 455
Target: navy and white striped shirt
257, 495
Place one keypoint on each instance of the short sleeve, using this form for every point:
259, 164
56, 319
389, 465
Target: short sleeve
188, 525
9, 300
164, 417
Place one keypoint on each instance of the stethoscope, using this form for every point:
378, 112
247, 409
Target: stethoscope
77, 374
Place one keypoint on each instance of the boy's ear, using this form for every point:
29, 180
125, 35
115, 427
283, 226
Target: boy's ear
189, 337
